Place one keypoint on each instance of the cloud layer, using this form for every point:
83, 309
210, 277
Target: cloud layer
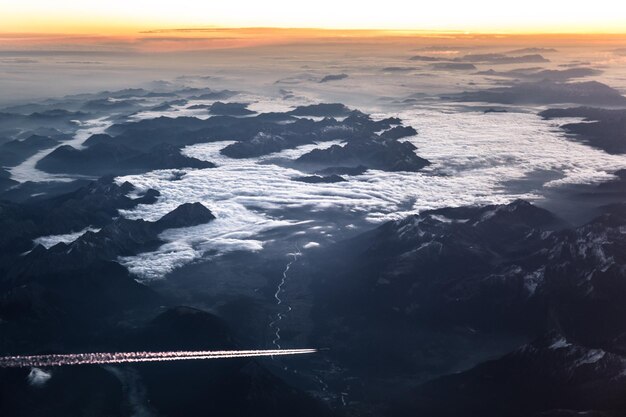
474, 157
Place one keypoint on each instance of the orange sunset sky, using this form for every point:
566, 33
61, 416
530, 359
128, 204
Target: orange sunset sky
157, 25
127, 16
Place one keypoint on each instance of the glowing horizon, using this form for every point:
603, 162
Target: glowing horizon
481, 16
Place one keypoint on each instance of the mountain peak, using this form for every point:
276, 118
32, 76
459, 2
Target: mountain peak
186, 215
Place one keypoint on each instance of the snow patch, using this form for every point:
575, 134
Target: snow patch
560, 344
593, 356
49, 241
38, 377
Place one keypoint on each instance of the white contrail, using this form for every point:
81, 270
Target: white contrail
125, 357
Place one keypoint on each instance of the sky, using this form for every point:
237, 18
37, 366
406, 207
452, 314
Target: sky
483, 16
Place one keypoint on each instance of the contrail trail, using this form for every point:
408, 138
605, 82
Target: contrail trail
127, 357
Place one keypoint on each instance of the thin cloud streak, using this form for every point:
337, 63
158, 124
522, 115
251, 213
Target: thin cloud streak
135, 357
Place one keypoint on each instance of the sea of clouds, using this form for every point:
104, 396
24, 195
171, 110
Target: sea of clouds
474, 155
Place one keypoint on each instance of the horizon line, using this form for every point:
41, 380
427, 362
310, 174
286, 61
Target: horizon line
113, 30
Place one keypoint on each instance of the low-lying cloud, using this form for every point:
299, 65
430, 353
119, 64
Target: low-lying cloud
474, 155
